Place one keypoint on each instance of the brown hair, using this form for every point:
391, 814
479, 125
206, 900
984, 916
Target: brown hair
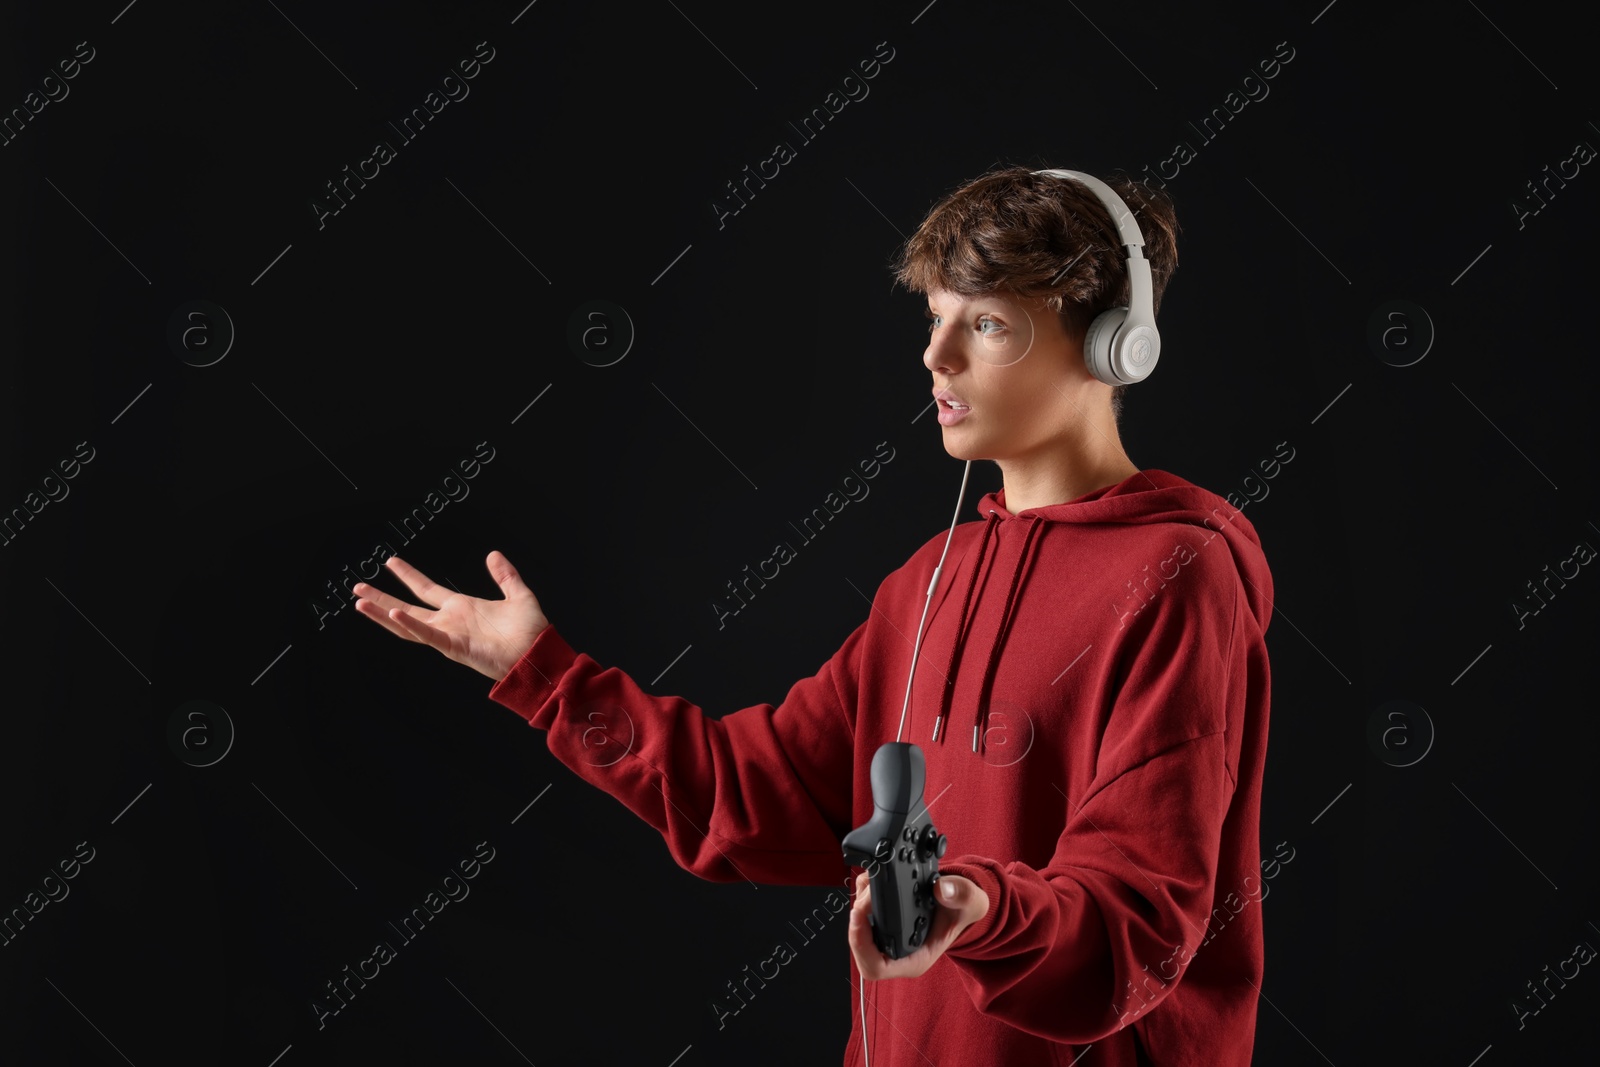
1035, 235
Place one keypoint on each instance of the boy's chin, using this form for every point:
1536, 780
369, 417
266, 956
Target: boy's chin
958, 449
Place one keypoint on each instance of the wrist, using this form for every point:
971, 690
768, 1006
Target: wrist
530, 687
514, 656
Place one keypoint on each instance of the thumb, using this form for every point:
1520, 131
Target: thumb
503, 573
953, 891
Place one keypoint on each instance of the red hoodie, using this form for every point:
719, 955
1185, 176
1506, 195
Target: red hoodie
1113, 668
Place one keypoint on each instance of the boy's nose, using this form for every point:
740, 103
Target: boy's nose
942, 354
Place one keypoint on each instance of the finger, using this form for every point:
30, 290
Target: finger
421, 630
949, 923
384, 601
381, 604
427, 591
378, 615
967, 900
504, 574
869, 961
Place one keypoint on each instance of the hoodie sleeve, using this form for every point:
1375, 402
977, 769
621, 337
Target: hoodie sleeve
1063, 948
762, 793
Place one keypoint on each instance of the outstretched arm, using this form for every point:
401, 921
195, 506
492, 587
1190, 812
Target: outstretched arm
762, 793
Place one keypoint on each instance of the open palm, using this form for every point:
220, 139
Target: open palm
489, 636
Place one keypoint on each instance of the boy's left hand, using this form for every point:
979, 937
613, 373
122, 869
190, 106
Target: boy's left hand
961, 903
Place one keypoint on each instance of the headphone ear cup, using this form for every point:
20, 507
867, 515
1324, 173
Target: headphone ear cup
1136, 353
1097, 344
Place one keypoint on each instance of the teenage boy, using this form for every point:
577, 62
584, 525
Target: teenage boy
1091, 693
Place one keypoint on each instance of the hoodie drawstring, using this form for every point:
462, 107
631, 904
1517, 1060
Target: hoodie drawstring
980, 719
961, 625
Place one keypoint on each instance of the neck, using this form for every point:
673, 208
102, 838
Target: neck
1062, 471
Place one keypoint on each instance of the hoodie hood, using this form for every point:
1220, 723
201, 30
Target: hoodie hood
1144, 497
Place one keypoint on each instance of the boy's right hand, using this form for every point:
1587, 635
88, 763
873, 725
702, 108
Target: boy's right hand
489, 636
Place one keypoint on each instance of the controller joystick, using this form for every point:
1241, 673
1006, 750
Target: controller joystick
900, 849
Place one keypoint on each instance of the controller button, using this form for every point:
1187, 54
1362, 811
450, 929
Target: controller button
884, 848
943, 844
910, 833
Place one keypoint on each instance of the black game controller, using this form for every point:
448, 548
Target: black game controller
900, 850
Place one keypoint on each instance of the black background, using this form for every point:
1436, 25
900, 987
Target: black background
771, 355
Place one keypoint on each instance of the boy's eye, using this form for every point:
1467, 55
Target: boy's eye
934, 322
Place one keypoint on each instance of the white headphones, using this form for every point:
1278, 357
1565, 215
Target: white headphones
1121, 345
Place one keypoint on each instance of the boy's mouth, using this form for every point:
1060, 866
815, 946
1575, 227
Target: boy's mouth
952, 411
